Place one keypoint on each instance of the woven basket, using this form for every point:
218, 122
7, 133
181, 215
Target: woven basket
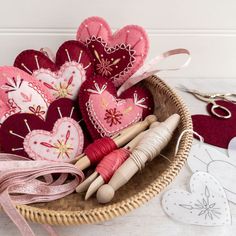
142, 187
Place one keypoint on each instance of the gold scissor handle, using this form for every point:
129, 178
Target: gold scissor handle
224, 109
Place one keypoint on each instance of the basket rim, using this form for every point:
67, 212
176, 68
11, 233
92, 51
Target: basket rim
107, 212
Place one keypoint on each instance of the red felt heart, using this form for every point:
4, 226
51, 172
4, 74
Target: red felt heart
15, 128
214, 130
21, 124
63, 78
104, 113
66, 107
116, 56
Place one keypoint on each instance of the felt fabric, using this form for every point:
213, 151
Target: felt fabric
116, 56
214, 130
22, 124
14, 129
105, 114
64, 143
65, 107
63, 78
20, 92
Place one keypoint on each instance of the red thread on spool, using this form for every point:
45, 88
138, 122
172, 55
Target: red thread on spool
110, 163
99, 149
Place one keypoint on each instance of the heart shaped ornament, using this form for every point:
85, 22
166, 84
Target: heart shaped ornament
206, 158
105, 114
64, 77
206, 203
15, 128
214, 130
20, 92
64, 143
116, 56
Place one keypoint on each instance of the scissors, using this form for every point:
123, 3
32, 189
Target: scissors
211, 98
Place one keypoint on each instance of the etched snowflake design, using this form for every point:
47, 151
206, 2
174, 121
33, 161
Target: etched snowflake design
38, 111
205, 208
113, 116
62, 147
12, 84
104, 66
61, 90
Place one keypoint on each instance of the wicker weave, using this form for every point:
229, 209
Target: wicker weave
142, 187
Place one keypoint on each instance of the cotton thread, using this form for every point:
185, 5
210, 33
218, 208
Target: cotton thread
100, 148
111, 162
150, 147
181, 136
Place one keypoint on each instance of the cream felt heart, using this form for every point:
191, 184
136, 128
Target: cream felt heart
104, 113
206, 203
63, 77
21, 92
63, 83
64, 143
206, 158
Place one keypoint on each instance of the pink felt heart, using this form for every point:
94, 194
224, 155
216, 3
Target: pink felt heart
20, 92
16, 127
104, 113
116, 56
64, 143
64, 77
214, 130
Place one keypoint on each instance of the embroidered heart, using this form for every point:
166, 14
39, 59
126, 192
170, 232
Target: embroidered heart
214, 130
64, 143
16, 127
116, 56
64, 77
105, 114
65, 107
206, 204
20, 92
203, 157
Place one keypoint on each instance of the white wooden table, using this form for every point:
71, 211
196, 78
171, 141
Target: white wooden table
150, 219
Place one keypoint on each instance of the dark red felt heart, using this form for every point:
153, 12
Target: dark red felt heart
116, 56
21, 124
14, 129
214, 130
105, 114
63, 78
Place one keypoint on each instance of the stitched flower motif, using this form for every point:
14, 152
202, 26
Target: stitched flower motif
37, 111
62, 90
62, 147
113, 116
205, 208
104, 66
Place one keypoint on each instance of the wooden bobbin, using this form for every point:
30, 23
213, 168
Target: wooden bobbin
121, 138
95, 180
128, 169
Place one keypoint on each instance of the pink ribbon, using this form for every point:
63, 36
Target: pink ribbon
23, 181
152, 67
